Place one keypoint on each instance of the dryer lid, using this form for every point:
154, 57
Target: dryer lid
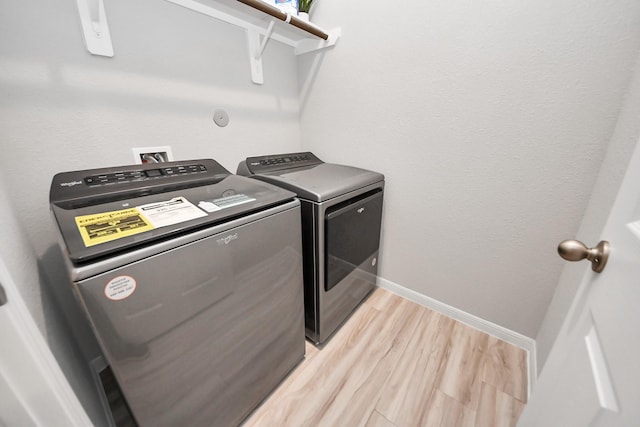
308, 176
323, 182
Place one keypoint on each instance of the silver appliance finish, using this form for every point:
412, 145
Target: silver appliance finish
216, 318
326, 190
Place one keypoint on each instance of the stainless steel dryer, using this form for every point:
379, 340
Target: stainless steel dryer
191, 279
341, 219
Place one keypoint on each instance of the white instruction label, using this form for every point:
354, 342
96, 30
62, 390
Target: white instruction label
225, 202
174, 211
208, 206
120, 287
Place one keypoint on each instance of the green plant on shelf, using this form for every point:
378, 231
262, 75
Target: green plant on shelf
304, 5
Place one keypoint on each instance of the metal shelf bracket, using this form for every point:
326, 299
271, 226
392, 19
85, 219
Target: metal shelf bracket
95, 28
256, 49
266, 39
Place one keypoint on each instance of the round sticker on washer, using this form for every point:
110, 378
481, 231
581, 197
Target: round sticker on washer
120, 287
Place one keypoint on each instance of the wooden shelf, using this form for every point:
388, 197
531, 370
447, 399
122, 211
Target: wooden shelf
293, 20
261, 21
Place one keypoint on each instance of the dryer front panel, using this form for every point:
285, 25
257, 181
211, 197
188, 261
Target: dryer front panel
352, 236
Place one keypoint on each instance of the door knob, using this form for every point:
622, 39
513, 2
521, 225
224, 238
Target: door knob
575, 250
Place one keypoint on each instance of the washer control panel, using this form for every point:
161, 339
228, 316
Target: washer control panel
261, 164
142, 174
87, 186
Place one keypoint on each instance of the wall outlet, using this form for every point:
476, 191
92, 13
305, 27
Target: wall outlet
152, 154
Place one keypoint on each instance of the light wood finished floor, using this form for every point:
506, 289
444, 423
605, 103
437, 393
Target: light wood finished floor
396, 363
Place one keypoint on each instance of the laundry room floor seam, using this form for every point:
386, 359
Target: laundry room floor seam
397, 363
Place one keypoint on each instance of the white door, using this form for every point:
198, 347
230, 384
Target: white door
592, 376
33, 390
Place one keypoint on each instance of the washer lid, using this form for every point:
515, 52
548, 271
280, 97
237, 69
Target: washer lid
321, 182
104, 211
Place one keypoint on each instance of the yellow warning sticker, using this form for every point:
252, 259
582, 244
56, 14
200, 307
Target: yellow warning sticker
107, 226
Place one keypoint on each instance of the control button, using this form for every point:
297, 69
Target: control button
152, 173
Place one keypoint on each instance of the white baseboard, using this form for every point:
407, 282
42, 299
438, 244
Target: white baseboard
507, 335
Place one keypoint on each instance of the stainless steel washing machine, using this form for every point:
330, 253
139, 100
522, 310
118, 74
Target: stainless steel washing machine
191, 278
341, 220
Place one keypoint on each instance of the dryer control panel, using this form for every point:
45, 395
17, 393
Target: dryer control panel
262, 164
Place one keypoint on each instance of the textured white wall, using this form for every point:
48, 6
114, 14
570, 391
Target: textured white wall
490, 121
64, 109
